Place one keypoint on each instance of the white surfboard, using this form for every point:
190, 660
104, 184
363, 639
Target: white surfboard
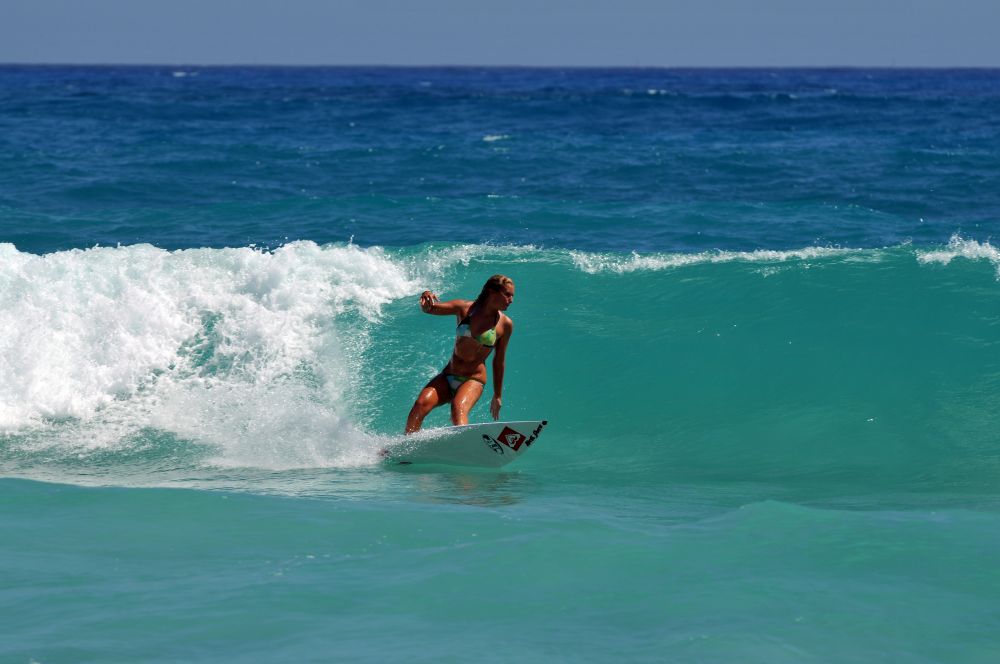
492, 444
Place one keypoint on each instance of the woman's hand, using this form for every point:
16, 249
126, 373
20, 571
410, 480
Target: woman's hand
495, 406
427, 300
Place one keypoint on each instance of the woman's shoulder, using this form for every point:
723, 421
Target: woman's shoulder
463, 307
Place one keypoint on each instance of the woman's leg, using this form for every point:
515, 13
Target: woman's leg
434, 394
465, 398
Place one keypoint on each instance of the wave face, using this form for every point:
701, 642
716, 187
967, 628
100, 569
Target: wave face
872, 367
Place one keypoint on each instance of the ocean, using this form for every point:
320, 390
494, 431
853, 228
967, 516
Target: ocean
760, 310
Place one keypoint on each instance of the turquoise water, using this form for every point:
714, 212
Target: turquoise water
766, 354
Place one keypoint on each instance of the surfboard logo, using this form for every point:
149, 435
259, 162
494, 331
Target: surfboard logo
493, 445
534, 434
511, 438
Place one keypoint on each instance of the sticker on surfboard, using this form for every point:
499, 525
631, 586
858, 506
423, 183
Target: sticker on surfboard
491, 444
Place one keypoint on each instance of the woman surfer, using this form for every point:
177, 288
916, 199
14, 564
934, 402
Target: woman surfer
482, 326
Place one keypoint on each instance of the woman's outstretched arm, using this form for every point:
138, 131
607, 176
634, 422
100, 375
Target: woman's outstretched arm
430, 304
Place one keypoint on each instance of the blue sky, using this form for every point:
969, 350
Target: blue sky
916, 33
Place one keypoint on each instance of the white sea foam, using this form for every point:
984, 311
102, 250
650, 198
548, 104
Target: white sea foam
493, 138
594, 263
432, 263
962, 248
252, 352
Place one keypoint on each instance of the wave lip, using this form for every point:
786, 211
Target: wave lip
595, 263
959, 247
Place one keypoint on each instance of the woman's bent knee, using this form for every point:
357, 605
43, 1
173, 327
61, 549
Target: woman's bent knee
427, 401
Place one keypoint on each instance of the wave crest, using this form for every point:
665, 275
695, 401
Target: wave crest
959, 247
595, 263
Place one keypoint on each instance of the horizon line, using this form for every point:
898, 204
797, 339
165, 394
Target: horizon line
148, 65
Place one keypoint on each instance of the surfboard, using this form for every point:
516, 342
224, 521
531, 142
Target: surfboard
492, 444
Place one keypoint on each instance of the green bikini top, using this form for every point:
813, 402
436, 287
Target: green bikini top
487, 338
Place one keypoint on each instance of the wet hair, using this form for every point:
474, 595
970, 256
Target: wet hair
494, 283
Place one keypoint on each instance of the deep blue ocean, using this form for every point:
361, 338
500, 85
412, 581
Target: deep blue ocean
760, 310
